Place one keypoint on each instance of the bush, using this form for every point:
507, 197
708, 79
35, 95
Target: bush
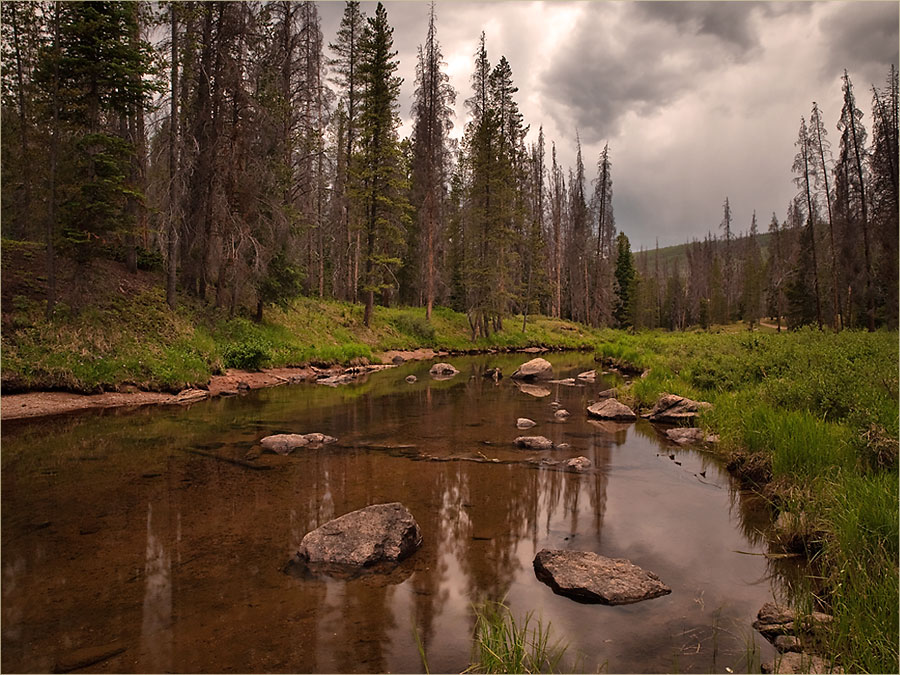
251, 353
415, 326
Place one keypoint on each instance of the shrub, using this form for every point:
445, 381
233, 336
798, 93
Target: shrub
251, 353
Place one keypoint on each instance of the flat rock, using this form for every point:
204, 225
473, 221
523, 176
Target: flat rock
568, 382
191, 396
588, 577
687, 435
442, 370
536, 369
774, 620
611, 409
338, 380
578, 463
534, 443
284, 444
607, 393
587, 376
672, 409
524, 423
795, 663
374, 534
533, 389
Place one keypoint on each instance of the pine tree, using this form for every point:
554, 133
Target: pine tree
379, 170
806, 177
821, 158
625, 283
606, 228
434, 98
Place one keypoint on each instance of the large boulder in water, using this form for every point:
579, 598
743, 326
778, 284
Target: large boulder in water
536, 369
375, 534
611, 409
588, 577
673, 409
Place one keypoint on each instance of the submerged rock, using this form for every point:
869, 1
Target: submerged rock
442, 370
588, 376
568, 382
685, 435
534, 443
588, 577
493, 373
374, 534
525, 423
672, 409
533, 389
284, 444
411, 378
611, 409
536, 369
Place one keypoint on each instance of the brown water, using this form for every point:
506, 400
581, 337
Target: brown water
118, 530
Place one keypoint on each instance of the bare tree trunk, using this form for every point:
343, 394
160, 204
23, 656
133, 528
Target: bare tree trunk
172, 244
23, 129
54, 151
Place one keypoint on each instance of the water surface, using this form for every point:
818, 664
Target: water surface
128, 528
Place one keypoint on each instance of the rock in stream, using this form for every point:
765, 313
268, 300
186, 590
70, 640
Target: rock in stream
587, 577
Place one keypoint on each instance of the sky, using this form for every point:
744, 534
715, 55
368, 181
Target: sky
698, 101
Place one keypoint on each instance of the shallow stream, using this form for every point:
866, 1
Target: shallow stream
131, 531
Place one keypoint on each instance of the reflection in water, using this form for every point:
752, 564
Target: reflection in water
482, 522
156, 625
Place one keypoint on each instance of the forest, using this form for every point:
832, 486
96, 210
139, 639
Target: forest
251, 160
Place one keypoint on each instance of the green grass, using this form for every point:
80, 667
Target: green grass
821, 411
504, 645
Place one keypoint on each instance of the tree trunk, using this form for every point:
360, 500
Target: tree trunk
172, 244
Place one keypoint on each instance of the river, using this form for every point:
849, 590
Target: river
129, 537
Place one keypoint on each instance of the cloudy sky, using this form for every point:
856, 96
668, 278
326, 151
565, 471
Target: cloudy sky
698, 100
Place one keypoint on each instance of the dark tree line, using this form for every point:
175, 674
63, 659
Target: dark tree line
832, 260
253, 161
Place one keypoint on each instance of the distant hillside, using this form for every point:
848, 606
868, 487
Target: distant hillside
672, 255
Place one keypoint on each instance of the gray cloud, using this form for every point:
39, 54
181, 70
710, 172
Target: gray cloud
861, 36
729, 22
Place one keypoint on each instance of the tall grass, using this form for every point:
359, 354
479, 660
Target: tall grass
504, 645
821, 409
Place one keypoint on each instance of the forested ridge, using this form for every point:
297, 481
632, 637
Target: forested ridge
253, 159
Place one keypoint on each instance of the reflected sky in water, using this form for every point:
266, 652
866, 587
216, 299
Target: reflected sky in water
115, 529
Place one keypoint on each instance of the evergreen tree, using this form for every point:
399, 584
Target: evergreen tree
626, 280
379, 169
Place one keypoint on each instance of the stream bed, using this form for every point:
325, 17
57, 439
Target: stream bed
145, 541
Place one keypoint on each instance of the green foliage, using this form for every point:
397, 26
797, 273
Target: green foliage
415, 326
282, 282
503, 645
251, 353
626, 282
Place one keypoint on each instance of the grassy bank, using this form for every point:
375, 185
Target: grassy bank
117, 339
812, 418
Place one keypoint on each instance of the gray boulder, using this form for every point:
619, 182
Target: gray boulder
588, 577
578, 463
284, 444
442, 370
673, 409
375, 534
534, 443
536, 369
611, 409
607, 393
524, 423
